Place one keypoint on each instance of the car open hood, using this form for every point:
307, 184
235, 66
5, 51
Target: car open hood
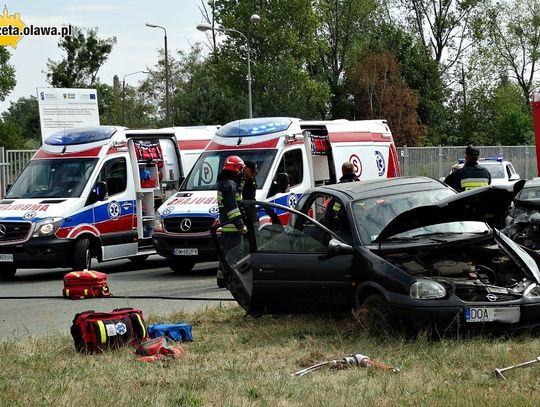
486, 204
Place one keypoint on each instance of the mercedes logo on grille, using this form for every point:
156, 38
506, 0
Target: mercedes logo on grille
185, 225
491, 297
3, 230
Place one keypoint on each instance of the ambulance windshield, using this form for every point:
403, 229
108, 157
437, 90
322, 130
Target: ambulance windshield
203, 176
54, 178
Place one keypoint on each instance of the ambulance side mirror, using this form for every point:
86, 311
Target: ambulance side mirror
98, 193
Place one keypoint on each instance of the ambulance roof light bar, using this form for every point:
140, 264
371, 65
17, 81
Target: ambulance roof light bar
82, 135
254, 127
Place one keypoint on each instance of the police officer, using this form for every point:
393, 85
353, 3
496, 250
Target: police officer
347, 170
229, 197
471, 175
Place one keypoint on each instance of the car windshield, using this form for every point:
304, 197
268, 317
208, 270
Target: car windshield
372, 215
204, 174
495, 169
53, 178
529, 193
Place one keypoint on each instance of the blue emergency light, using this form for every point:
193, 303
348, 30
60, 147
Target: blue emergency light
84, 135
254, 127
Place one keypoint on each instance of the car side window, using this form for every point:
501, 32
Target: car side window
292, 164
276, 235
114, 174
330, 211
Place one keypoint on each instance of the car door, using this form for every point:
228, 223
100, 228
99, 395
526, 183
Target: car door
290, 267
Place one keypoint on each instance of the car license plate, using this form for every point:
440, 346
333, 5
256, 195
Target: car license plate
186, 252
6, 258
492, 314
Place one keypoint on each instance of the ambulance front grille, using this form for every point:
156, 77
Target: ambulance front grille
188, 224
14, 231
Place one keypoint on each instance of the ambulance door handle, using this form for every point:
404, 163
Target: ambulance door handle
127, 205
267, 269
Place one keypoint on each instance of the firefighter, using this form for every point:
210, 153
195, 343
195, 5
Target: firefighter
229, 197
347, 170
249, 188
471, 175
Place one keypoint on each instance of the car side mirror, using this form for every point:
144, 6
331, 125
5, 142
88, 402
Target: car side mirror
335, 248
98, 193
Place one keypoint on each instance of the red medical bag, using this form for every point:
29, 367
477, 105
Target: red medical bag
149, 152
85, 284
98, 331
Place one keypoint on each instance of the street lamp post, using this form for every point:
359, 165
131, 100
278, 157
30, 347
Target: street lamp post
254, 18
166, 71
124, 94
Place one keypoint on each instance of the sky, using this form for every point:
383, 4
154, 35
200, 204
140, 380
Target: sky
136, 47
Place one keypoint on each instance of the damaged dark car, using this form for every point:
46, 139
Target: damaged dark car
523, 220
407, 252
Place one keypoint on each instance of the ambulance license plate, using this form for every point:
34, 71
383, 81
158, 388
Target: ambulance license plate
6, 258
186, 252
492, 314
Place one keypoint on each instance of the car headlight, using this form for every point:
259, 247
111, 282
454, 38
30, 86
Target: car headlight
47, 227
427, 290
532, 291
158, 223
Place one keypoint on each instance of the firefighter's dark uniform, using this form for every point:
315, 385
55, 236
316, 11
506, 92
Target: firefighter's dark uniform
470, 176
229, 197
249, 190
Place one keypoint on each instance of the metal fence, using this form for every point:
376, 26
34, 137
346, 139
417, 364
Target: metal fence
430, 161
12, 163
437, 161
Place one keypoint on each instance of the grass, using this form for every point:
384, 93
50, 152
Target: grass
242, 361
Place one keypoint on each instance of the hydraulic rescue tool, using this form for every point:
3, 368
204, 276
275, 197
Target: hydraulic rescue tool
499, 372
352, 360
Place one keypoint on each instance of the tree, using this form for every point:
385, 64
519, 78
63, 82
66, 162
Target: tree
85, 54
7, 74
511, 41
381, 93
344, 25
443, 26
280, 48
24, 114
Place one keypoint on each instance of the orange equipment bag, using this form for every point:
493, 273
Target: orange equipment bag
85, 284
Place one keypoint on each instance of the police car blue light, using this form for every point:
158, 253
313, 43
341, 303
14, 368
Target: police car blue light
80, 136
254, 127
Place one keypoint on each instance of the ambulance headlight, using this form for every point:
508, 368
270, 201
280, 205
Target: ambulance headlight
47, 227
427, 290
158, 223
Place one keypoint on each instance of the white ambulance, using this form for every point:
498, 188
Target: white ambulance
92, 192
292, 155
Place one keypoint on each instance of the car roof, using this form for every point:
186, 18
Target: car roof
532, 183
379, 187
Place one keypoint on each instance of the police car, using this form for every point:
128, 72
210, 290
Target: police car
502, 172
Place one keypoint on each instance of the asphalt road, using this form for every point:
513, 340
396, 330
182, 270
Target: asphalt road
153, 278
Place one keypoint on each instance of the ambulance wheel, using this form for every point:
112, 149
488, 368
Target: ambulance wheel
7, 272
82, 256
181, 266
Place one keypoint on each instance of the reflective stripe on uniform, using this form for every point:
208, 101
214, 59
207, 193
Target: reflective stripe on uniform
471, 183
232, 213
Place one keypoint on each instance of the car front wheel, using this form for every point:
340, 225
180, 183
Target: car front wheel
374, 315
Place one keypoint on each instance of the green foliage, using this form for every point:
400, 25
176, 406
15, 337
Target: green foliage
85, 54
7, 74
512, 120
24, 114
11, 138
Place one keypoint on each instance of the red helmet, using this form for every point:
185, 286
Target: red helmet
233, 163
